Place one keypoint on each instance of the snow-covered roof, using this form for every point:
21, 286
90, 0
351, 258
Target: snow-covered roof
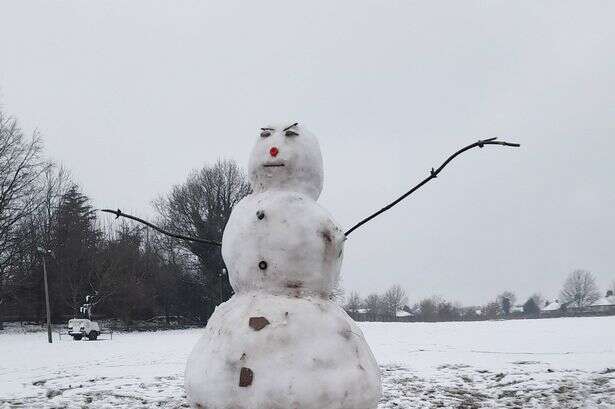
402, 313
517, 308
605, 301
362, 311
554, 306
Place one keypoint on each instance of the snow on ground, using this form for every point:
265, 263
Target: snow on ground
554, 363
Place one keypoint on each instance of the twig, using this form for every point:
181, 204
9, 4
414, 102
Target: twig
118, 213
290, 126
433, 173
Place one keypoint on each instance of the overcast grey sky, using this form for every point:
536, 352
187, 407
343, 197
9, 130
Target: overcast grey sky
131, 96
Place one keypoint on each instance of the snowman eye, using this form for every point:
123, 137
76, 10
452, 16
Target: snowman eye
291, 133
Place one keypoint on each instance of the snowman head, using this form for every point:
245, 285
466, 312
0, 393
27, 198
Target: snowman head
286, 156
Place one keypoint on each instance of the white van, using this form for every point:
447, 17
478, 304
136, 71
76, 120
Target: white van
83, 327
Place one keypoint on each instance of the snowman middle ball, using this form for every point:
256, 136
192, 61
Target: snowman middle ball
282, 242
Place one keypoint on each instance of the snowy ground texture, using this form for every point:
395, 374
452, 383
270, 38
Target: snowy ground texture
550, 363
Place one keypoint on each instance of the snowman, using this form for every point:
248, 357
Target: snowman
280, 342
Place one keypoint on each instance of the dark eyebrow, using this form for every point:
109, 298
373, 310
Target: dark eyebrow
267, 129
288, 127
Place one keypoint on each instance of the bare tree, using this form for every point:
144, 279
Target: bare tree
448, 311
394, 299
21, 167
200, 207
428, 308
437, 308
491, 310
375, 306
354, 303
56, 182
580, 289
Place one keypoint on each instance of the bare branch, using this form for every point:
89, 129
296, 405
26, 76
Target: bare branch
118, 213
432, 175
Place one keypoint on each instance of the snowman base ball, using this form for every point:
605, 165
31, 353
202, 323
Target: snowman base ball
279, 342
280, 352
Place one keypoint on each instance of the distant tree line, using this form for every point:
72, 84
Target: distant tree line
131, 272
577, 296
392, 305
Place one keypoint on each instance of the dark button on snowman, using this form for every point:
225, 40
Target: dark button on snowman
279, 342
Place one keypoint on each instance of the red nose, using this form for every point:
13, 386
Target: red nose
274, 151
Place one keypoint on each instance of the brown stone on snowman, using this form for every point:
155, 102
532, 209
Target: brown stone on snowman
280, 342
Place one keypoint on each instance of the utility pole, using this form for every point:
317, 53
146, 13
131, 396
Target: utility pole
44, 253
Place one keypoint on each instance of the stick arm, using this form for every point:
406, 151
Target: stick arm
118, 213
433, 173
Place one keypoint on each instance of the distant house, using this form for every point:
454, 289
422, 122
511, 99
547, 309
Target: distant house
359, 314
516, 309
402, 315
551, 306
604, 304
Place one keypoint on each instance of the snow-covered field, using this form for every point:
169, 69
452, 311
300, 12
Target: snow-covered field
555, 363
